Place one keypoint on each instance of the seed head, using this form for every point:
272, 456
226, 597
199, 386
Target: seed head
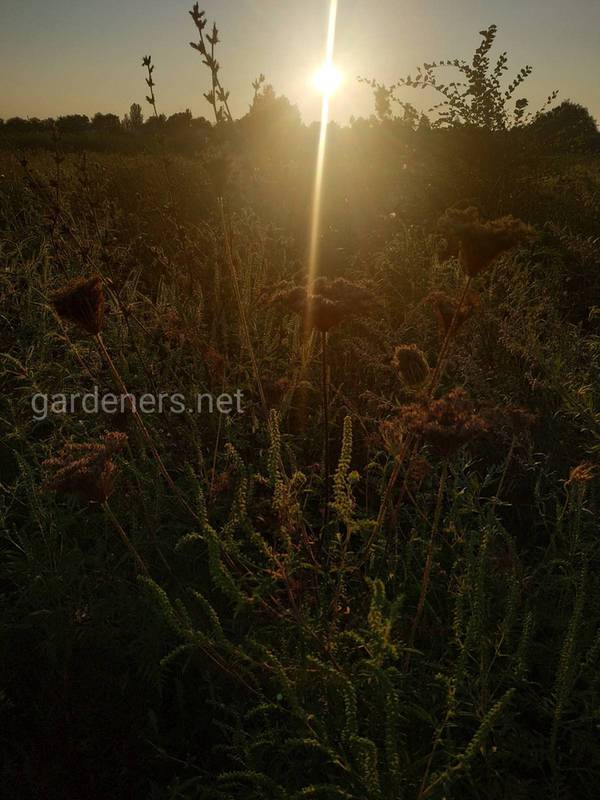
392, 435
411, 364
445, 424
81, 302
582, 473
512, 418
85, 470
418, 469
482, 242
328, 304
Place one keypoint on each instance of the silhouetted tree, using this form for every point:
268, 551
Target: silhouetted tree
136, 117
270, 120
155, 124
180, 121
570, 126
109, 123
17, 125
73, 123
201, 124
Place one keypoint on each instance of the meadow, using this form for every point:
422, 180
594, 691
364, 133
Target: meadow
377, 577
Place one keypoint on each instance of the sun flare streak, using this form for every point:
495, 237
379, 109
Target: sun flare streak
327, 69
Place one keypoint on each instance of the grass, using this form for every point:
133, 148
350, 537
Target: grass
432, 630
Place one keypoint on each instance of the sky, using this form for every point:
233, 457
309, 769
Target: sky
82, 56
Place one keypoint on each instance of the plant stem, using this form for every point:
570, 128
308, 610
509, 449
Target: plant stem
445, 348
241, 310
142, 428
325, 397
430, 552
126, 540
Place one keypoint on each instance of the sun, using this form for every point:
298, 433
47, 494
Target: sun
327, 79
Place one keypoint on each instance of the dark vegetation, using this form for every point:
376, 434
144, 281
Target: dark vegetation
381, 579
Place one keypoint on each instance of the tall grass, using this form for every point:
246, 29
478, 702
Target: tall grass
378, 581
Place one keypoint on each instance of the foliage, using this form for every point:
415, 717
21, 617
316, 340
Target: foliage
477, 98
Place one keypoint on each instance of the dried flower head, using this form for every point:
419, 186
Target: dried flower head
328, 304
512, 418
215, 362
482, 242
275, 389
445, 307
81, 302
412, 364
445, 424
393, 436
85, 470
582, 473
173, 330
418, 469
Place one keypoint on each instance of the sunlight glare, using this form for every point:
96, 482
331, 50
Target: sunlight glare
328, 79
326, 70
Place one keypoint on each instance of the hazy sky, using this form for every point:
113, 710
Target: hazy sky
68, 56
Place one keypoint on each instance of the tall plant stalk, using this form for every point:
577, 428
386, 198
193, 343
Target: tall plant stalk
139, 561
142, 428
430, 551
446, 344
325, 398
241, 309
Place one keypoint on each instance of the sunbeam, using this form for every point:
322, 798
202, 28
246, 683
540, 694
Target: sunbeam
327, 69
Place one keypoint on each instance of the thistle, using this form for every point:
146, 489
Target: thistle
81, 302
85, 470
480, 243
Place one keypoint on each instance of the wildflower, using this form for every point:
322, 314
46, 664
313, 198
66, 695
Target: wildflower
482, 242
445, 424
81, 302
328, 304
411, 364
582, 473
445, 307
85, 470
